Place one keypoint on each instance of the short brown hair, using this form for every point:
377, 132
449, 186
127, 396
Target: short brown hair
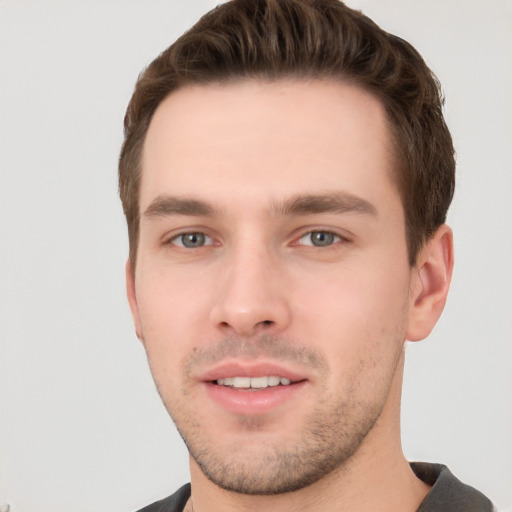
273, 39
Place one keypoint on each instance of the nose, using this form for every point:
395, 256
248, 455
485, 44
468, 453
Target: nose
251, 296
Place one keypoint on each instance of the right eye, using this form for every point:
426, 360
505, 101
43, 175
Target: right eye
192, 240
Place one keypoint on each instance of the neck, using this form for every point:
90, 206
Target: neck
376, 477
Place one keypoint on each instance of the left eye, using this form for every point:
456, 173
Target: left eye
192, 240
319, 238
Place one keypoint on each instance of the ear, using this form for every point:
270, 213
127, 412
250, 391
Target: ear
132, 298
431, 277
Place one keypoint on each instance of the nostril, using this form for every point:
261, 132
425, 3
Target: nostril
246, 328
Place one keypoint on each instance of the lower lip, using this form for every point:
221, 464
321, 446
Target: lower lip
252, 401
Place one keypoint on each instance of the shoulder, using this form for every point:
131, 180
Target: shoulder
174, 503
448, 493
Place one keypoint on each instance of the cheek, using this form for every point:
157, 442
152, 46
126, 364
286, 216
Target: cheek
358, 322
352, 307
170, 311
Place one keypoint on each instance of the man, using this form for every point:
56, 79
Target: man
285, 175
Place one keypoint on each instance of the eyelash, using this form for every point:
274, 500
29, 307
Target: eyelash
332, 239
190, 234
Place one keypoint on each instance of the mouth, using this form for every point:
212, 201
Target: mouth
253, 388
253, 383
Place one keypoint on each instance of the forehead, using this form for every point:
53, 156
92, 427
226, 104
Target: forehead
259, 139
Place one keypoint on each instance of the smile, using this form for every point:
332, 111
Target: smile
253, 382
253, 387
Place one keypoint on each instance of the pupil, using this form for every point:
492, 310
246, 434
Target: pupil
322, 238
193, 240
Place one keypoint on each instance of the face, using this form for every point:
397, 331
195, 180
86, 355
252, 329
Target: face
272, 287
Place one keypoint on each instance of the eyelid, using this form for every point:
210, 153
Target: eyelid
207, 240
339, 237
170, 238
336, 238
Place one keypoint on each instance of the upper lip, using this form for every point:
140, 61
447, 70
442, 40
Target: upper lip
228, 369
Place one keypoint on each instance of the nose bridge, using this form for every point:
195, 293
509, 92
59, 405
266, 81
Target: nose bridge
250, 296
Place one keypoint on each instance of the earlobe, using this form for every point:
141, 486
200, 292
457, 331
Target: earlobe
430, 284
132, 298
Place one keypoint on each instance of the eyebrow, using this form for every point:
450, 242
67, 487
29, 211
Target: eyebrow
307, 204
331, 202
163, 206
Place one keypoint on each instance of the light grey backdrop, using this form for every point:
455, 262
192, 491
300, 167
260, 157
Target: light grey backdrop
82, 428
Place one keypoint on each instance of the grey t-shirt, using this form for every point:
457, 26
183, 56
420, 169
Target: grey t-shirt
448, 494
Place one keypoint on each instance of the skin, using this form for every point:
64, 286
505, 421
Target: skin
255, 174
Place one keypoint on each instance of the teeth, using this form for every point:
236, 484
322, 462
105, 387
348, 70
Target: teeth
242, 382
273, 381
253, 382
259, 382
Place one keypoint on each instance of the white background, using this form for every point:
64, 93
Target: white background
82, 428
